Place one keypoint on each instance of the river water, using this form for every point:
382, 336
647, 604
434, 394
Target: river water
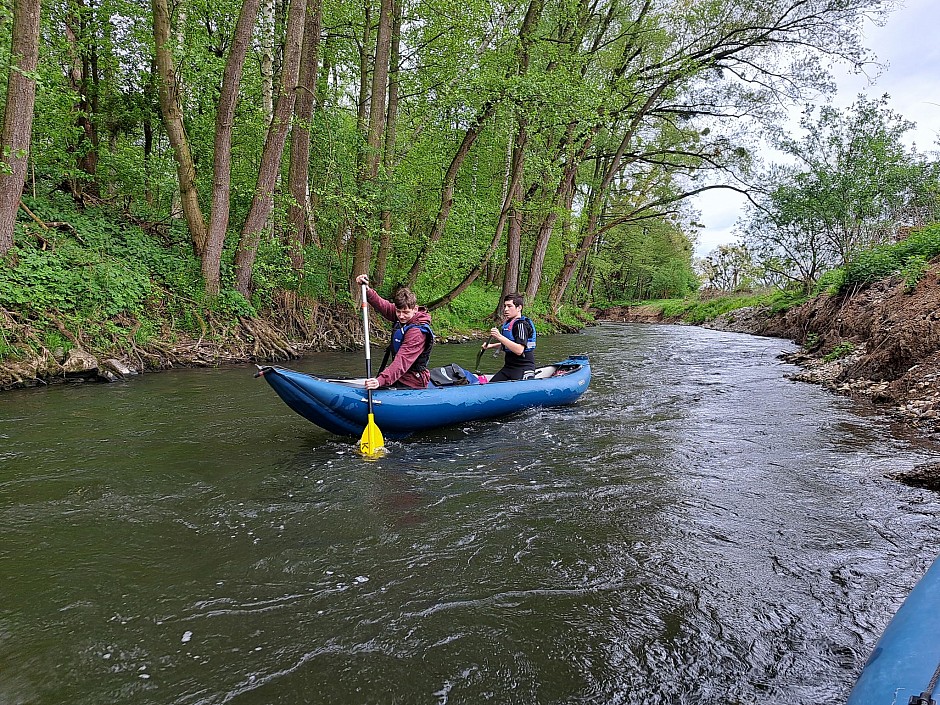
697, 529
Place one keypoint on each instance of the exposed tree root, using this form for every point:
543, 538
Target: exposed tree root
265, 341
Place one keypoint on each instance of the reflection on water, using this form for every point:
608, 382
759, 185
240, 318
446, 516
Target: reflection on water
697, 529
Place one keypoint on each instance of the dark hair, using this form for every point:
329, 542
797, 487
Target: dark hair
515, 298
405, 298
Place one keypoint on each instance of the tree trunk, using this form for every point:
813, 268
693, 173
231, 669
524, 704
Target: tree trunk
562, 200
18, 114
83, 79
263, 200
447, 195
222, 160
391, 126
299, 216
373, 150
514, 239
149, 95
266, 30
173, 123
513, 188
572, 259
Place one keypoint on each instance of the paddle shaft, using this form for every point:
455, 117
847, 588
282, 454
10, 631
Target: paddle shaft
365, 327
371, 445
489, 340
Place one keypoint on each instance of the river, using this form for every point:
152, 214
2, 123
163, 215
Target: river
696, 529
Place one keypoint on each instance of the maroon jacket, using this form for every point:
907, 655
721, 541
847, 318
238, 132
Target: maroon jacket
411, 346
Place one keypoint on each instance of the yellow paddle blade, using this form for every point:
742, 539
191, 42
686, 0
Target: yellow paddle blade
372, 445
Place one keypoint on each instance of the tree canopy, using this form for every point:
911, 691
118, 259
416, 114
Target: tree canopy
541, 147
850, 185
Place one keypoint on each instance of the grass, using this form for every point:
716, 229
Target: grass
697, 309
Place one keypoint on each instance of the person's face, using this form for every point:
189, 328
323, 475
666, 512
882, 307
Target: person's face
405, 314
510, 310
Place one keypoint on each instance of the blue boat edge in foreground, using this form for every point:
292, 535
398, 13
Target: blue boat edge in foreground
339, 405
904, 666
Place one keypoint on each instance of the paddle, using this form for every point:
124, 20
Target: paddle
371, 445
476, 369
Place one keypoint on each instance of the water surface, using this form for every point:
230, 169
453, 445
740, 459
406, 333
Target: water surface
697, 529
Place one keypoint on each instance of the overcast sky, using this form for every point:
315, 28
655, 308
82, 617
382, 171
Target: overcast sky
908, 45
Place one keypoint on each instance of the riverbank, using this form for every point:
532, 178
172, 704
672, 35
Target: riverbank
257, 340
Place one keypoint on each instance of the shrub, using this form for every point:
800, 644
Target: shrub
839, 351
913, 271
908, 257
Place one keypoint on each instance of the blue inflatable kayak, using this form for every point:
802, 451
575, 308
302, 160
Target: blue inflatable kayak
905, 665
340, 406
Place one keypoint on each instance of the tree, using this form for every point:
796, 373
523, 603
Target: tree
630, 82
727, 268
853, 185
374, 139
222, 154
263, 200
299, 216
856, 182
784, 236
18, 114
172, 115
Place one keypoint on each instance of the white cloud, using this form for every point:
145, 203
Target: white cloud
719, 209
907, 45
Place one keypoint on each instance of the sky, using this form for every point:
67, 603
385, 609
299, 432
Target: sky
907, 46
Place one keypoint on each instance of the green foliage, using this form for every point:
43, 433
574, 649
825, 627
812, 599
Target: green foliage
648, 260
230, 304
830, 282
908, 257
107, 282
839, 351
560, 81
54, 340
698, 310
73, 279
851, 184
913, 271
469, 311
147, 330
474, 310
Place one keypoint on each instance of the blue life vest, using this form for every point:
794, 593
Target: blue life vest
398, 335
527, 359
507, 327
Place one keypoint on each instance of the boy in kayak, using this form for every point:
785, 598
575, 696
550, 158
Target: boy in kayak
517, 338
412, 339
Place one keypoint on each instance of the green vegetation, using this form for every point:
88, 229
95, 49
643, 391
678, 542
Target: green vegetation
218, 173
836, 215
839, 351
103, 285
700, 308
908, 258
